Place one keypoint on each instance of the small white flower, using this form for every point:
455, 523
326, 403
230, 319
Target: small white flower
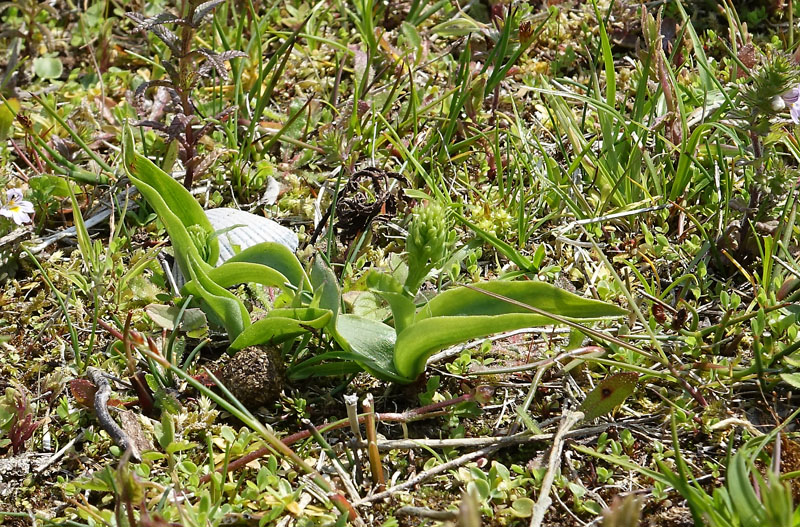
15, 208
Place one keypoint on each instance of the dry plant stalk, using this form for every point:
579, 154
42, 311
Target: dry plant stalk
372, 444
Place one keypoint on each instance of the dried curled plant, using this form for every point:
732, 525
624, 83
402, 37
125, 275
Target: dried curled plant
186, 68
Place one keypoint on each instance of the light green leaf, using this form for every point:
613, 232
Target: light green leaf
792, 379
230, 311
233, 273
47, 67
745, 501
522, 507
391, 290
8, 110
164, 316
170, 200
424, 338
326, 288
462, 314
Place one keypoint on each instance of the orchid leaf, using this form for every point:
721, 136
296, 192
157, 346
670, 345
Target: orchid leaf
609, 394
466, 301
281, 325
372, 345
463, 313
223, 304
424, 338
278, 257
230, 274
403, 309
391, 290
174, 198
310, 317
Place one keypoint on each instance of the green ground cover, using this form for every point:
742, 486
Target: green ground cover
532, 263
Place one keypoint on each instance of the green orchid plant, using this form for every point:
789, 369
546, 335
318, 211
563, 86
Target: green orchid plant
196, 252
396, 352
399, 352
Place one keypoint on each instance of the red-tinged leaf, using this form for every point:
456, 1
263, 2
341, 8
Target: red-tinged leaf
609, 394
83, 391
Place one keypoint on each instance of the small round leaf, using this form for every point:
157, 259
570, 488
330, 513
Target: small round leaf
522, 507
47, 67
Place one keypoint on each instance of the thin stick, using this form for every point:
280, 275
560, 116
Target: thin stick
337, 465
416, 414
521, 438
422, 512
52, 459
543, 503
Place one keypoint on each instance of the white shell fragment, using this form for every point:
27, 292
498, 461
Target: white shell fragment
252, 229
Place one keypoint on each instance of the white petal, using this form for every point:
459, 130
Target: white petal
13, 194
20, 218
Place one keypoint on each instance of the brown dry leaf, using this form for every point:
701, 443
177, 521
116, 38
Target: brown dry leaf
129, 422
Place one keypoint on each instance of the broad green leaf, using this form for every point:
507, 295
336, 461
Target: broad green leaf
230, 311
310, 317
792, 379
403, 309
164, 317
609, 394
232, 273
383, 282
47, 67
462, 314
391, 290
269, 330
278, 257
372, 342
465, 301
424, 338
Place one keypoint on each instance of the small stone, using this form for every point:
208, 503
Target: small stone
255, 375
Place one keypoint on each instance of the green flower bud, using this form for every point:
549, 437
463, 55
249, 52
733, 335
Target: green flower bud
426, 242
199, 238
